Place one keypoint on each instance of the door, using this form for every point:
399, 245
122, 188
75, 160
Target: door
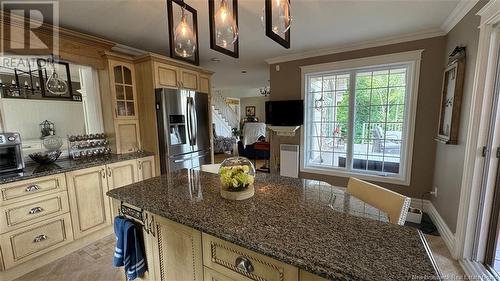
88, 203
178, 252
493, 242
146, 168
202, 122
118, 175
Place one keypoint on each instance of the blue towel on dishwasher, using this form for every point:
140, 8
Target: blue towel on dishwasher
128, 249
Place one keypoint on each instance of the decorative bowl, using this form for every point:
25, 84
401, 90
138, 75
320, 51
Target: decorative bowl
237, 176
46, 157
52, 143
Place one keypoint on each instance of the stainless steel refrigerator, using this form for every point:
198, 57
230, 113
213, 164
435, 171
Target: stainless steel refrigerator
183, 130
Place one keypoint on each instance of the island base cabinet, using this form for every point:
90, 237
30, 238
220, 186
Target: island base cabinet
89, 205
238, 263
178, 252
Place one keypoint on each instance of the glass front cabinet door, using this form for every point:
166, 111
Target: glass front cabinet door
123, 88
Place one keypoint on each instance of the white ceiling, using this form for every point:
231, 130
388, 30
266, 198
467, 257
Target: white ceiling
317, 24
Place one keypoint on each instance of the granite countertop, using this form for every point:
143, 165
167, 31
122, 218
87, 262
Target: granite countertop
34, 170
308, 224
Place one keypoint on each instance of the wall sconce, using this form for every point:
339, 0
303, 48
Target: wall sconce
183, 31
223, 19
277, 20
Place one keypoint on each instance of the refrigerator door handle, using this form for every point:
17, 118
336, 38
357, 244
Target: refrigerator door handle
188, 113
195, 121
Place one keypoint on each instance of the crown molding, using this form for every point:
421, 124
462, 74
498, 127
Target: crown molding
462, 8
358, 46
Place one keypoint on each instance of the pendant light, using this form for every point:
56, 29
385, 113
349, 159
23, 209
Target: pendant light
223, 19
226, 29
277, 19
185, 41
281, 17
183, 31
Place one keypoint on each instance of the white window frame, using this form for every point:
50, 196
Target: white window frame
412, 59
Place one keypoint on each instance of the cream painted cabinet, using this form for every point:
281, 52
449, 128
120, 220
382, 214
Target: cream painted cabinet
89, 205
146, 168
178, 254
166, 76
122, 80
122, 173
128, 136
189, 79
204, 84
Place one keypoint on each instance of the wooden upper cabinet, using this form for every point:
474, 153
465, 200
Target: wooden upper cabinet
166, 76
128, 137
189, 79
204, 84
124, 96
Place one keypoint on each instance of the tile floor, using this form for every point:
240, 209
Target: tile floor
93, 263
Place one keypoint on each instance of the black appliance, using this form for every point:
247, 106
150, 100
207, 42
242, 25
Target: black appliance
285, 113
11, 158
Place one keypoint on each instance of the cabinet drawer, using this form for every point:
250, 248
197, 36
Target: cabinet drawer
26, 243
212, 275
12, 192
224, 258
26, 212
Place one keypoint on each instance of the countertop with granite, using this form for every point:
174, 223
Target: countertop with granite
308, 224
34, 170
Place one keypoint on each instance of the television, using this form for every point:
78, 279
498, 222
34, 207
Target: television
285, 113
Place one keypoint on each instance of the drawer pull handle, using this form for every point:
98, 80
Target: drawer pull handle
35, 210
40, 238
32, 188
244, 264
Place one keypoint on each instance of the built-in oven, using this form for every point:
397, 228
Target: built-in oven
11, 157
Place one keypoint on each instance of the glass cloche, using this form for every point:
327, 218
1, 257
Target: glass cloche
237, 176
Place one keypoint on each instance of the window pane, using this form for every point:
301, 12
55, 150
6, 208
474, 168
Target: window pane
379, 112
379, 96
118, 74
363, 80
380, 79
397, 77
397, 95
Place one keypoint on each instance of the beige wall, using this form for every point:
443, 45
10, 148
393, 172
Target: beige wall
260, 107
286, 85
450, 158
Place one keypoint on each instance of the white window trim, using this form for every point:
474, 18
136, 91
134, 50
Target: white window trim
413, 59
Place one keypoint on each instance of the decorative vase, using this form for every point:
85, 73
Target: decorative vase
237, 176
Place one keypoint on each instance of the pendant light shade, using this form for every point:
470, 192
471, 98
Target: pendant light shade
223, 16
226, 30
183, 31
281, 18
185, 41
277, 19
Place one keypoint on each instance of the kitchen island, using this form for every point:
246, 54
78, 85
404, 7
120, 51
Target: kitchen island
292, 229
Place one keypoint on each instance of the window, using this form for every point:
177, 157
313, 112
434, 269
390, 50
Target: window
357, 119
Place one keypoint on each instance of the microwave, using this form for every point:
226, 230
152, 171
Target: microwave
11, 157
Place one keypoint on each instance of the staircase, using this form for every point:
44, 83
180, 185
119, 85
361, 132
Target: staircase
224, 117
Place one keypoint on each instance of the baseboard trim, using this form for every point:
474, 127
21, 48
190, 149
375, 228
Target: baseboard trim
443, 229
476, 271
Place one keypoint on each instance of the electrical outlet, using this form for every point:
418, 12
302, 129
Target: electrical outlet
435, 191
